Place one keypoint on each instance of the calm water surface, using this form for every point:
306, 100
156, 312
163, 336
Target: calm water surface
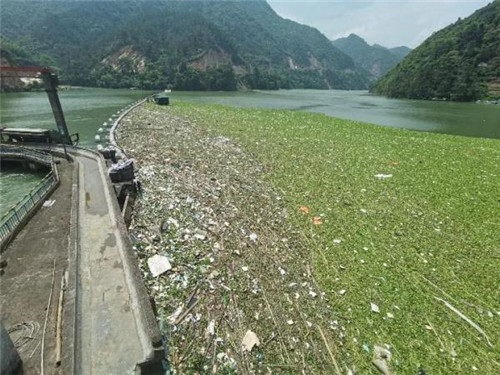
468, 119
86, 109
15, 183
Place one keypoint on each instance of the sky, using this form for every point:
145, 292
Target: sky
389, 23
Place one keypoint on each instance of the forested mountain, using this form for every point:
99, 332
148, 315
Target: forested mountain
460, 62
376, 59
194, 45
11, 53
400, 52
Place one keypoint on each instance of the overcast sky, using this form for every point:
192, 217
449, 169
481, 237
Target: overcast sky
389, 23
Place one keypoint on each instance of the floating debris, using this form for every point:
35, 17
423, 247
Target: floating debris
203, 202
174, 222
200, 235
158, 264
249, 341
253, 237
381, 358
226, 361
374, 308
164, 226
210, 329
467, 319
382, 176
175, 315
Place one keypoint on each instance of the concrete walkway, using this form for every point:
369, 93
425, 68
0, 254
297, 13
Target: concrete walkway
108, 324
115, 331
27, 281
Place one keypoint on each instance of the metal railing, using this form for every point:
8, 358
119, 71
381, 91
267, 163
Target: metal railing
26, 153
12, 218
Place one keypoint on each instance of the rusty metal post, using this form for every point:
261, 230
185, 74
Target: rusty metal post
50, 82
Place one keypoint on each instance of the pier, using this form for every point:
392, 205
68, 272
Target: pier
18, 215
70, 231
109, 325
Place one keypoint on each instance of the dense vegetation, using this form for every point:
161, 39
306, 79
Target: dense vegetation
202, 45
400, 52
460, 62
376, 59
12, 53
428, 233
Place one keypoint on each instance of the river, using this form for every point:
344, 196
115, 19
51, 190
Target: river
467, 119
85, 111
87, 108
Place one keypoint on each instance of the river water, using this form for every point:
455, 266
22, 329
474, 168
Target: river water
86, 109
467, 119
15, 183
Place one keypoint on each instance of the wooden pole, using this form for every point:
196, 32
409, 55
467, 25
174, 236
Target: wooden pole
59, 320
42, 364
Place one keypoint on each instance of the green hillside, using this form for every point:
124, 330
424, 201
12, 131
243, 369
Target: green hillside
12, 53
201, 45
400, 52
460, 62
376, 59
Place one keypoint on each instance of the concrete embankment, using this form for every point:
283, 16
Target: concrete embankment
116, 326
108, 326
40, 249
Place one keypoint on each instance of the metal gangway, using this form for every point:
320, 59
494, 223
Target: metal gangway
13, 219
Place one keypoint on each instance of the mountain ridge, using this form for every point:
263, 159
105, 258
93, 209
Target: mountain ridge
460, 62
376, 59
202, 45
401, 51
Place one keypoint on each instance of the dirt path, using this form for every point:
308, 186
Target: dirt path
237, 264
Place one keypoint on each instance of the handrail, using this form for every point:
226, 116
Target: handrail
27, 152
12, 218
